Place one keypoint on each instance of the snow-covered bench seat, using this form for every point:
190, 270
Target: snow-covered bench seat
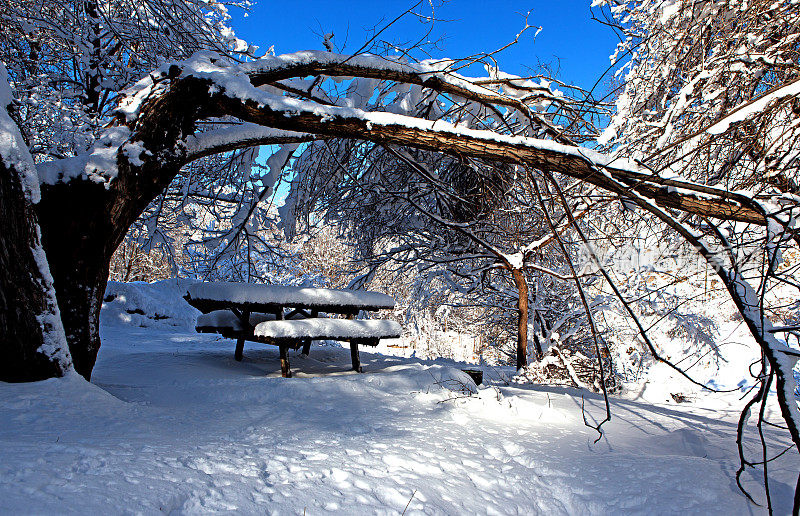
293, 333
326, 329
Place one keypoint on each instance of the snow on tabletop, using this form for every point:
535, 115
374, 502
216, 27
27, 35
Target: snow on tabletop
330, 328
287, 296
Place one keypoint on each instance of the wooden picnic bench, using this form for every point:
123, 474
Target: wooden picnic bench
290, 317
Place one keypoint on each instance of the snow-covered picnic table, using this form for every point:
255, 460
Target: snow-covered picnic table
290, 317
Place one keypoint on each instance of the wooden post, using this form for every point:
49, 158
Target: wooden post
239, 349
307, 342
285, 371
354, 356
244, 319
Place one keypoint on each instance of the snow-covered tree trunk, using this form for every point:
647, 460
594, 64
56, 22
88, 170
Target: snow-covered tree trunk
32, 344
76, 236
84, 221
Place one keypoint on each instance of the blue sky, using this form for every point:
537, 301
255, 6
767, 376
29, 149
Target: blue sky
569, 41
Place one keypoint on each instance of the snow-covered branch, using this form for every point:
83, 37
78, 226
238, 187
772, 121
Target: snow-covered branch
235, 137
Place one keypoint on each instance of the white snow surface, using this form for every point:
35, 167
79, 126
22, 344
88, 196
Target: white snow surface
440, 68
99, 165
202, 142
146, 305
331, 328
172, 423
288, 296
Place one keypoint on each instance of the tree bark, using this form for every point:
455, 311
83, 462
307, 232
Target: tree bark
84, 222
32, 338
697, 199
544, 329
76, 237
522, 321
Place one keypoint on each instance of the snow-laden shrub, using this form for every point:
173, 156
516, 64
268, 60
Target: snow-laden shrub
563, 366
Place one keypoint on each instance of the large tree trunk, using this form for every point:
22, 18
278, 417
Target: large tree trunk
83, 223
32, 343
75, 234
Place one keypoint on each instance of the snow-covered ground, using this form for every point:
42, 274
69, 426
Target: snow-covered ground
171, 423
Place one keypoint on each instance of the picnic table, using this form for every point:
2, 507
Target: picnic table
290, 317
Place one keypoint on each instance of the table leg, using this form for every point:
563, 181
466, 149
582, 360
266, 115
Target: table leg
354, 356
244, 319
307, 343
285, 371
239, 349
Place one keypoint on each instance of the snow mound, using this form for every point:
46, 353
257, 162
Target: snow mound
157, 304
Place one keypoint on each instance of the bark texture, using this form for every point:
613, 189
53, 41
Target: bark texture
84, 222
24, 332
691, 198
77, 239
522, 320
